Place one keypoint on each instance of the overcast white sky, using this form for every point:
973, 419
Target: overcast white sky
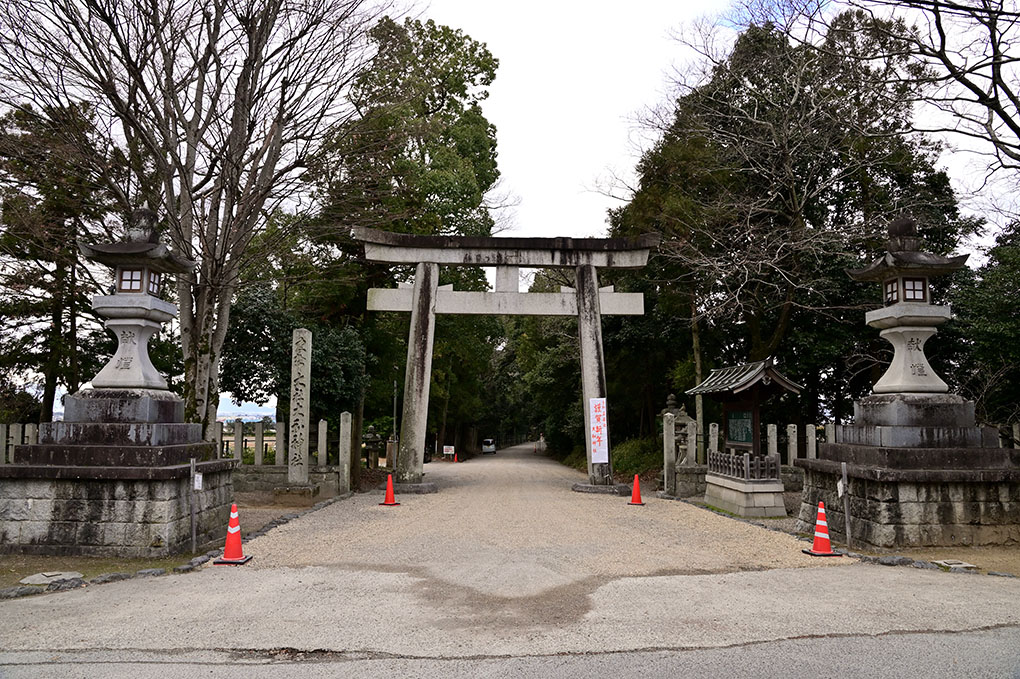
572, 76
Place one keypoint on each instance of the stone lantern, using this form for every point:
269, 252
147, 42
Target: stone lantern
134, 311
908, 318
123, 474
913, 468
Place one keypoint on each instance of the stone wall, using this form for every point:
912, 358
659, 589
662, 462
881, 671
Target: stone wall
111, 517
690, 481
903, 513
266, 478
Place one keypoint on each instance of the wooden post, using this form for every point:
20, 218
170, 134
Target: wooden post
773, 434
3, 444
791, 443
279, 436
320, 448
811, 432
260, 439
345, 450
238, 439
692, 444
713, 437
846, 503
669, 453
191, 501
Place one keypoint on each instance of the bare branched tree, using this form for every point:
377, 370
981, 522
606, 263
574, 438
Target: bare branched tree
971, 49
216, 105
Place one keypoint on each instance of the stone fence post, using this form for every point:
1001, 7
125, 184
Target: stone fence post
713, 437
791, 443
345, 451
279, 444
830, 433
669, 453
238, 439
773, 436
691, 458
260, 442
3, 443
810, 433
218, 438
17, 433
320, 447
31, 434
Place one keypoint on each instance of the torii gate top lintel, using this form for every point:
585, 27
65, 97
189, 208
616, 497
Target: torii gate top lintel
402, 248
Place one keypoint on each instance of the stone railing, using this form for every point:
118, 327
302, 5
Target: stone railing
746, 467
15, 435
261, 447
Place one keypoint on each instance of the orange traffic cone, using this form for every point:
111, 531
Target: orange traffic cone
390, 501
455, 456
635, 496
232, 552
821, 546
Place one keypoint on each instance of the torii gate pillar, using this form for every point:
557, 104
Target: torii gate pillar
425, 299
593, 366
418, 374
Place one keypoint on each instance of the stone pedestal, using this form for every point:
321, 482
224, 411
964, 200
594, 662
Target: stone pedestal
920, 474
114, 479
745, 498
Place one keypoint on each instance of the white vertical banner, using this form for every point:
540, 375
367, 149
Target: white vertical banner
598, 431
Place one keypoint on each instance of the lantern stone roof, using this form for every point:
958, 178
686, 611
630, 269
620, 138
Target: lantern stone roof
904, 256
738, 378
141, 247
907, 263
155, 256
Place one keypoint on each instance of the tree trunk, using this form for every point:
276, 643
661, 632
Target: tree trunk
54, 340
202, 336
74, 369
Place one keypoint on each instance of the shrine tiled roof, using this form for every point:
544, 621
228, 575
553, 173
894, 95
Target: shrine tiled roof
737, 378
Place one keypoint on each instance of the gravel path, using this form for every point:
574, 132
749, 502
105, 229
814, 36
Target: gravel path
509, 526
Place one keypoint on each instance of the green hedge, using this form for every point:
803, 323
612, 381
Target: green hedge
635, 456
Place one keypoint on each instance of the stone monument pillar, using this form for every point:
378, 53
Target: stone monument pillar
300, 380
920, 471
114, 477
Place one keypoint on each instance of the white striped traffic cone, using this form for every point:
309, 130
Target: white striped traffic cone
232, 552
821, 546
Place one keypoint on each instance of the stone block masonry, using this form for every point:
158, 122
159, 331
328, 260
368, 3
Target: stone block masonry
904, 512
111, 517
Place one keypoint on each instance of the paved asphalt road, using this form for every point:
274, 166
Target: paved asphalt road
507, 573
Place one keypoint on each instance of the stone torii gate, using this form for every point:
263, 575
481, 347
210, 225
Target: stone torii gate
426, 298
